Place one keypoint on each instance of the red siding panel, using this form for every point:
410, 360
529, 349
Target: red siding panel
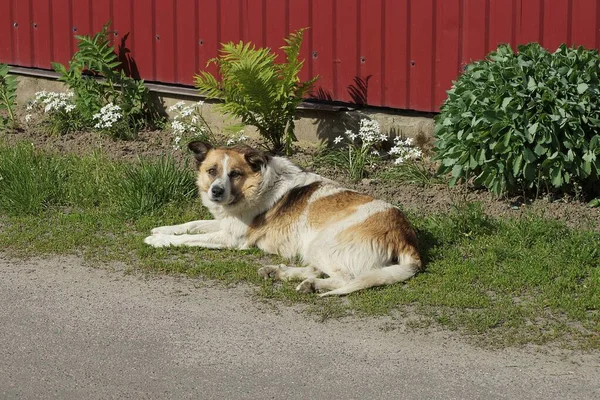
323, 33
392, 53
397, 48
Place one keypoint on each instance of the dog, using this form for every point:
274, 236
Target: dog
263, 201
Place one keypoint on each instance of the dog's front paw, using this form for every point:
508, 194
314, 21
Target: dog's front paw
307, 286
158, 240
270, 271
164, 230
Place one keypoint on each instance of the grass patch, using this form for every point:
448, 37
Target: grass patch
411, 172
501, 281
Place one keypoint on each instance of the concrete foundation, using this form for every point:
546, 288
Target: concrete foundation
313, 127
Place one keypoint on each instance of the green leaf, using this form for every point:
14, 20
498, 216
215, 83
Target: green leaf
532, 129
457, 170
582, 87
594, 203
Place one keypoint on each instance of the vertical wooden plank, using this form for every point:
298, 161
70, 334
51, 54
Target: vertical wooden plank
447, 61
501, 23
475, 33
348, 42
62, 31
254, 12
584, 23
186, 46
371, 52
122, 25
397, 49
530, 24
81, 23
6, 34
230, 13
101, 14
164, 40
421, 54
276, 26
322, 45
298, 17
22, 34
143, 38
42, 34
555, 23
209, 41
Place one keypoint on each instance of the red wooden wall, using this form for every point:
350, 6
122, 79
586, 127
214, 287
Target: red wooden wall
393, 53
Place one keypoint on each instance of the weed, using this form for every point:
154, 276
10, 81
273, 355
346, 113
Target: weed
411, 172
259, 91
96, 81
8, 97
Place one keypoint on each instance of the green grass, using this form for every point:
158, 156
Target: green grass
410, 172
502, 282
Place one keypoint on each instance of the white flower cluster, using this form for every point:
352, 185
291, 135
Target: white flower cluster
370, 136
187, 122
404, 150
52, 102
369, 133
108, 115
237, 138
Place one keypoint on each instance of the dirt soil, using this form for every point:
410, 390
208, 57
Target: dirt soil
436, 198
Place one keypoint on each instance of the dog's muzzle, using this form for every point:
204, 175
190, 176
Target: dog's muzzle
217, 193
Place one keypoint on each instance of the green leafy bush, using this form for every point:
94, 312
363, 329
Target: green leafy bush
97, 59
524, 121
8, 96
257, 90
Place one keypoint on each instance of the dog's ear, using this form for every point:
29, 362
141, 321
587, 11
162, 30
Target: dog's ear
257, 159
200, 150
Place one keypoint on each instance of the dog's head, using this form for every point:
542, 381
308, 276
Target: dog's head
228, 175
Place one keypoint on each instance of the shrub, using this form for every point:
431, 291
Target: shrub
259, 91
524, 121
8, 96
97, 59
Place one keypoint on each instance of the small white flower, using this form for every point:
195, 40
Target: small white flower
338, 140
230, 142
399, 160
176, 106
28, 117
30, 106
374, 152
242, 138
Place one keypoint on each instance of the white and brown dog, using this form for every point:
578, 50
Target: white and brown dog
270, 203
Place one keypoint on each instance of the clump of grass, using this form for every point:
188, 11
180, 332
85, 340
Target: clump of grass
29, 181
149, 186
34, 181
411, 172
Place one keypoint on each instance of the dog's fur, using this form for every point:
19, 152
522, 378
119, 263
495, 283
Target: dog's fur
268, 202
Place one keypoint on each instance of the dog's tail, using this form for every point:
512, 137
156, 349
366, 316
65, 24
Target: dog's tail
409, 265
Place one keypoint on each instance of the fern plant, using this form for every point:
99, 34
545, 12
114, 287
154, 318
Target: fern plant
8, 96
95, 59
259, 91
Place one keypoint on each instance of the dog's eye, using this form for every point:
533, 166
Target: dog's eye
234, 174
212, 171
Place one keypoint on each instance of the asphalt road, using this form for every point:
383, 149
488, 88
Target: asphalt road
68, 331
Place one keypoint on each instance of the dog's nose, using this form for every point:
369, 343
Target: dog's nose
217, 191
